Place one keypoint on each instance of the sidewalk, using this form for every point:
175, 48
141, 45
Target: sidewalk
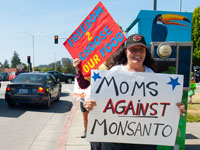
75, 142
192, 140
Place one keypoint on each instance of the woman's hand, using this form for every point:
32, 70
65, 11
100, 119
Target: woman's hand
181, 107
89, 104
76, 62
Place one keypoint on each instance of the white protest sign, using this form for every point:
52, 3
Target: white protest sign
135, 107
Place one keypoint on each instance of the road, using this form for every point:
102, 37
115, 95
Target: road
33, 127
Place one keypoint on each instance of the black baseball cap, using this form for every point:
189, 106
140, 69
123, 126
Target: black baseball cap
136, 40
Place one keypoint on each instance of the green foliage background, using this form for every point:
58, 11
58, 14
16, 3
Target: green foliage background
65, 65
196, 35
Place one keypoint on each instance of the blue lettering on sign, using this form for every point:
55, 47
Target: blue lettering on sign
70, 42
98, 11
95, 40
120, 36
93, 18
82, 58
74, 36
87, 25
87, 51
107, 30
112, 42
115, 41
102, 34
91, 43
83, 28
102, 52
108, 47
79, 33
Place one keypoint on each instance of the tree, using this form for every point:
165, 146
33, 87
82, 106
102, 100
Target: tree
6, 64
15, 60
196, 35
58, 66
25, 67
37, 68
44, 69
68, 65
51, 67
1, 65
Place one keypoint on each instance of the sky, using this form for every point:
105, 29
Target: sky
23, 19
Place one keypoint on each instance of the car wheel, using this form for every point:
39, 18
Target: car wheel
69, 80
58, 97
48, 104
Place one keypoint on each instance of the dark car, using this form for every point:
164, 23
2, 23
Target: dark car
196, 69
33, 88
4, 76
67, 78
197, 77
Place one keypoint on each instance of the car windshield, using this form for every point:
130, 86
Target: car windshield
29, 78
2, 73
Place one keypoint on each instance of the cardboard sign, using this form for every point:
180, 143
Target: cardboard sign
96, 38
135, 107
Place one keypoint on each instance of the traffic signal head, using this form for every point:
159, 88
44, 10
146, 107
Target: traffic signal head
29, 59
56, 39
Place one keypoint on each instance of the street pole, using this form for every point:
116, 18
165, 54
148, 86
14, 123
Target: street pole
33, 53
55, 61
154, 4
180, 5
33, 37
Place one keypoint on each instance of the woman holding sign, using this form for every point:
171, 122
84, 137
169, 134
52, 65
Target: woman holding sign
134, 58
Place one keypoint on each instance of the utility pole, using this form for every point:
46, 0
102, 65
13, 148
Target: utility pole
55, 61
154, 4
180, 5
33, 37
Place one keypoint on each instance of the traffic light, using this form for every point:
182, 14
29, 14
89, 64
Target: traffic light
28, 59
56, 39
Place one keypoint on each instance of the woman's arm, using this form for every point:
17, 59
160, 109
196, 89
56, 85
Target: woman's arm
181, 107
82, 82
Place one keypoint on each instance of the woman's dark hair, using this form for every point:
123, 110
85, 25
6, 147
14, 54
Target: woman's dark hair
119, 57
115, 57
149, 61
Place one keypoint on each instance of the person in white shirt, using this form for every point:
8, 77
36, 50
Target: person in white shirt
134, 58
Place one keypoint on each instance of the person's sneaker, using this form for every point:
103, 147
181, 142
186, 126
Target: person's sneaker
84, 134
